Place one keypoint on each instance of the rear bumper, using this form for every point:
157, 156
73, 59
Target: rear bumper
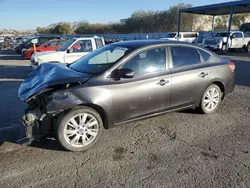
230, 84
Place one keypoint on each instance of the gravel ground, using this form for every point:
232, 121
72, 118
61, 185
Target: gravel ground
180, 149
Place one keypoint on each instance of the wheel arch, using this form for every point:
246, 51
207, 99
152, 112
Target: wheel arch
217, 82
100, 110
220, 84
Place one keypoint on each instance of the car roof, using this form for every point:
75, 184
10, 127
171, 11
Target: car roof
86, 38
55, 40
143, 43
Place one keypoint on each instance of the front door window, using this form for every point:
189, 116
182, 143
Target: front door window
150, 61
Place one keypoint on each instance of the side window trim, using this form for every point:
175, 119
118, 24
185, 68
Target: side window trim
170, 62
203, 61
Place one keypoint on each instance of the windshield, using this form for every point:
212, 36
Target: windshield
221, 35
66, 45
100, 60
171, 35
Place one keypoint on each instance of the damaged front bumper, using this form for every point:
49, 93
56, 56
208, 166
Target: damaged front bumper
40, 121
36, 125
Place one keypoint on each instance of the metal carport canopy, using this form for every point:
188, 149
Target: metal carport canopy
221, 8
233, 7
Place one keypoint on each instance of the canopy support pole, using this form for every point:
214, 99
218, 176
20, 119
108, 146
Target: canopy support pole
229, 25
213, 24
179, 25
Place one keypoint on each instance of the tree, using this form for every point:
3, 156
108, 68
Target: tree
221, 22
63, 29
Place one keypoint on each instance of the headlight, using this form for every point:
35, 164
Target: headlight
34, 60
60, 95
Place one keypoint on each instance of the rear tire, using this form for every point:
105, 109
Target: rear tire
79, 129
210, 99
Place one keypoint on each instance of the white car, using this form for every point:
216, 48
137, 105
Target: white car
237, 39
71, 51
183, 36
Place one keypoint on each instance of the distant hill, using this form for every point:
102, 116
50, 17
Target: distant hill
73, 25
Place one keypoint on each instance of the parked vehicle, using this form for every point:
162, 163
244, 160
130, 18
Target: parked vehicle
245, 27
183, 36
120, 83
50, 45
6, 42
27, 44
237, 39
1, 42
71, 51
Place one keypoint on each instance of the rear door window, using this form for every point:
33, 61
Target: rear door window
205, 55
237, 35
184, 56
53, 43
42, 40
98, 43
62, 42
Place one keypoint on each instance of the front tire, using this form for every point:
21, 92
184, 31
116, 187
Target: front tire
211, 99
79, 129
247, 48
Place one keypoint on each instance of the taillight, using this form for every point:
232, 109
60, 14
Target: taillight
231, 66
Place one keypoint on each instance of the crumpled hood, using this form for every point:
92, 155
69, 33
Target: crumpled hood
49, 74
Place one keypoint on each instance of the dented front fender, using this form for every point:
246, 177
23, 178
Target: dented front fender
61, 101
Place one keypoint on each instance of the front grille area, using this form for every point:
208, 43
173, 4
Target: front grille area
210, 42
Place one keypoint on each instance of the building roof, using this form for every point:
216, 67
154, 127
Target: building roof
242, 6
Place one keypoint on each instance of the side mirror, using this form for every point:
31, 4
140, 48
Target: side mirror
70, 50
126, 73
122, 73
45, 46
231, 37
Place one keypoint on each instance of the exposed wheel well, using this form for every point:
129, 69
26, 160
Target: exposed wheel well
221, 86
102, 113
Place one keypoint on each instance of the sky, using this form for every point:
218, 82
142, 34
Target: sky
30, 14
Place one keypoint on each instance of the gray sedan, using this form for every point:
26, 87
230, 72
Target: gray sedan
120, 83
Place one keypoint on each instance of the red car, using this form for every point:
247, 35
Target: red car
47, 46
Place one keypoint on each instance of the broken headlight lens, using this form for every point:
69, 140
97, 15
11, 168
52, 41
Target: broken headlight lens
60, 95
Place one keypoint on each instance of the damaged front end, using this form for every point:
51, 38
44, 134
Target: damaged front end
41, 116
48, 93
36, 121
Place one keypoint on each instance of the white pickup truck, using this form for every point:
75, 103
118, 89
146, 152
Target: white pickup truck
183, 36
237, 39
71, 51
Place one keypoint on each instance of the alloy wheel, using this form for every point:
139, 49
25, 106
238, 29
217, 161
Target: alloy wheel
81, 130
212, 98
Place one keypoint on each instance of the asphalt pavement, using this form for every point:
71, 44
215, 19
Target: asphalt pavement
179, 149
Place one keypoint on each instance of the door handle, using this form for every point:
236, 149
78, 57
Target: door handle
203, 75
162, 82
